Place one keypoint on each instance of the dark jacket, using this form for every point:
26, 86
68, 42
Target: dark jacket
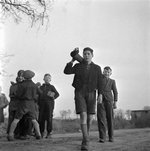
78, 69
109, 89
27, 91
45, 88
13, 91
13, 105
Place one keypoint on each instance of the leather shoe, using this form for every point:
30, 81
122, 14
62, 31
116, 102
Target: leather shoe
38, 137
111, 140
85, 145
49, 135
10, 138
101, 141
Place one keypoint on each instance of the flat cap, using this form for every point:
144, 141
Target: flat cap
28, 74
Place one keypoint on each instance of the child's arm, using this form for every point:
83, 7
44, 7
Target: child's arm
99, 99
114, 105
54, 93
69, 69
4, 102
115, 92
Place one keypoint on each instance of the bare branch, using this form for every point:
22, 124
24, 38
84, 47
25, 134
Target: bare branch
36, 10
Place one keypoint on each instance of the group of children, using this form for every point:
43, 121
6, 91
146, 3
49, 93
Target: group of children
31, 105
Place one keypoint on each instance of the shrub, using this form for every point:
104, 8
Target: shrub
68, 125
142, 121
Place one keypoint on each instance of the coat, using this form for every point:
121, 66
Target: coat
93, 81
109, 90
3, 104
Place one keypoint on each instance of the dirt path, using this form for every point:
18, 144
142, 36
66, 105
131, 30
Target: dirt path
125, 140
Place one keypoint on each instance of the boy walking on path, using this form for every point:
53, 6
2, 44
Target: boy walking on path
27, 94
86, 82
105, 105
48, 94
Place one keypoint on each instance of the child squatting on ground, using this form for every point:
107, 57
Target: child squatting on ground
105, 105
27, 94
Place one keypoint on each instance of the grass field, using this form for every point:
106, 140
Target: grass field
125, 140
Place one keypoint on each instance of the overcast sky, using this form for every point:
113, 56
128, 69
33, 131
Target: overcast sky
118, 32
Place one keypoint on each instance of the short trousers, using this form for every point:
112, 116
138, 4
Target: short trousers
13, 106
85, 101
26, 107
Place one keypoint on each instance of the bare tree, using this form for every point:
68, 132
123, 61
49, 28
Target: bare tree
35, 10
128, 114
119, 113
69, 113
63, 114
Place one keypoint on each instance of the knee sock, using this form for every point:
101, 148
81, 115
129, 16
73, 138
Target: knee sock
88, 128
84, 131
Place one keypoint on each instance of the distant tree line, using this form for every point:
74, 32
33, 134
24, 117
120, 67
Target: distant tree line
65, 114
122, 120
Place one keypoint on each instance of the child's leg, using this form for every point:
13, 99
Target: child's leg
89, 121
49, 126
37, 129
109, 116
10, 120
101, 115
41, 118
83, 123
49, 114
12, 127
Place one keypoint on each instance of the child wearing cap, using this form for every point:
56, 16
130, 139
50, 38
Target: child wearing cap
26, 93
105, 105
46, 105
